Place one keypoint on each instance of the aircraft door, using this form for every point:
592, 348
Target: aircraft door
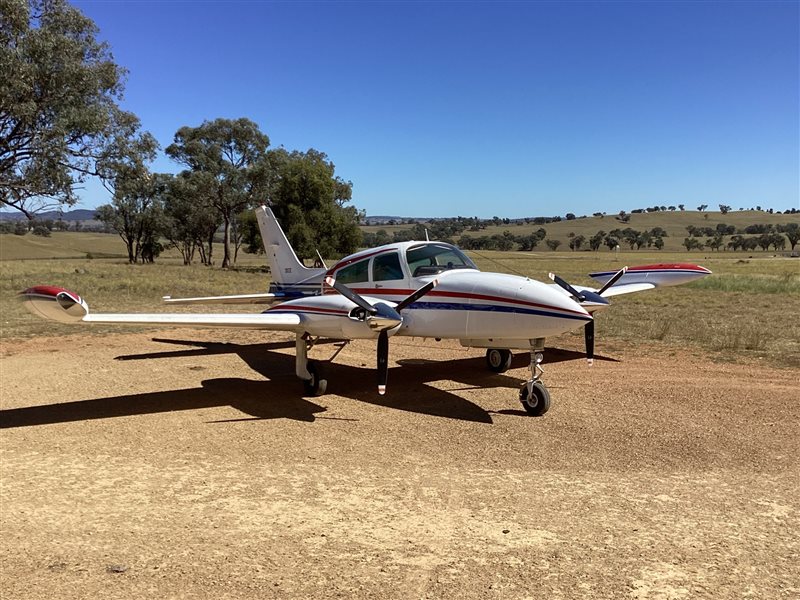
387, 273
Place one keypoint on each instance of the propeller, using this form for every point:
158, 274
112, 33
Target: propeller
613, 280
382, 317
595, 298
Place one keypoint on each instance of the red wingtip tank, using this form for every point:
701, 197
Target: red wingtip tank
54, 303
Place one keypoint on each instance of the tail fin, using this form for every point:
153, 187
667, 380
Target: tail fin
287, 270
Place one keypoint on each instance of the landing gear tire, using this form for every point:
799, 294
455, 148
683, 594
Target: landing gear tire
317, 385
535, 398
497, 360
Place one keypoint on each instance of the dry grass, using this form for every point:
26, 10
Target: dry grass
747, 308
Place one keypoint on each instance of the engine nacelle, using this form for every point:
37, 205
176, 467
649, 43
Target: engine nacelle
54, 303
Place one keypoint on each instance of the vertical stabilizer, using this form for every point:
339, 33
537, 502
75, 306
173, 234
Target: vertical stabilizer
287, 270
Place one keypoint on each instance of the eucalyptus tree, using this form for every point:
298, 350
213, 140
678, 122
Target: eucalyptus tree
135, 208
232, 154
190, 219
309, 199
58, 103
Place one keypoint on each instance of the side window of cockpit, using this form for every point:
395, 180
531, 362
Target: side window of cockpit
355, 273
386, 267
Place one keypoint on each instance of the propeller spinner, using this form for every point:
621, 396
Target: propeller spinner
382, 317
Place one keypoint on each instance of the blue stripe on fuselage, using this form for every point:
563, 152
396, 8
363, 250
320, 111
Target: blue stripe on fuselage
493, 308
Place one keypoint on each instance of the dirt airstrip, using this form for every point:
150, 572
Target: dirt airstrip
182, 467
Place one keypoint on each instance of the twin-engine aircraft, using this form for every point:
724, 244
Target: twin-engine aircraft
418, 289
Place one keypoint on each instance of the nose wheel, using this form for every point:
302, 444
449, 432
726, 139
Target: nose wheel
535, 398
533, 394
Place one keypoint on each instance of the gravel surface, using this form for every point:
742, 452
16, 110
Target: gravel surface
188, 468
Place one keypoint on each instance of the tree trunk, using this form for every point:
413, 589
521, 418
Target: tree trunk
226, 243
210, 247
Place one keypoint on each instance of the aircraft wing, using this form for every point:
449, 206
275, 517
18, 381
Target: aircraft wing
265, 298
58, 304
627, 288
277, 322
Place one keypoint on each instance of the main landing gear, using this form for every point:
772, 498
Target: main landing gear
534, 395
311, 371
498, 360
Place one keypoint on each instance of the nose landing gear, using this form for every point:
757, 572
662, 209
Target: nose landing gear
533, 394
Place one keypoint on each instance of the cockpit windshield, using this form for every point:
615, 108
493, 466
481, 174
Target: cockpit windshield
434, 257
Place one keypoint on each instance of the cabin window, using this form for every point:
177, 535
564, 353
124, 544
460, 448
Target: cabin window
355, 273
386, 267
429, 259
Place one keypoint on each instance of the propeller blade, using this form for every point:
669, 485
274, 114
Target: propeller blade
613, 280
383, 361
575, 293
588, 332
351, 295
417, 295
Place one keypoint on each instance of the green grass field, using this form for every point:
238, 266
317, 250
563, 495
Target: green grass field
747, 308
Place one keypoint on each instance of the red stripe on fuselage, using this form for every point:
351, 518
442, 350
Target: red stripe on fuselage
460, 296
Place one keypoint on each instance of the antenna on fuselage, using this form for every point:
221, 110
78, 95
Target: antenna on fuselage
427, 239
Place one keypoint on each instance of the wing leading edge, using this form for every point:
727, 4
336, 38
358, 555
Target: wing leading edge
58, 304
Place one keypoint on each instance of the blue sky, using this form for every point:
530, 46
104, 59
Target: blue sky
470, 108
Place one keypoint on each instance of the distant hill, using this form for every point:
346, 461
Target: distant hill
55, 215
382, 220
674, 223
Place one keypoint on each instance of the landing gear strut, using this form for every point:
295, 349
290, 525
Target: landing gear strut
310, 372
534, 395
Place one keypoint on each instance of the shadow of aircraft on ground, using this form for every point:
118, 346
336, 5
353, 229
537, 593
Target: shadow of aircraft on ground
279, 396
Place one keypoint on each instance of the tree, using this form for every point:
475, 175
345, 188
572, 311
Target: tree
611, 241
190, 219
714, 243
527, 242
136, 214
233, 155
597, 240
135, 209
792, 231
631, 236
702, 207
691, 243
58, 103
553, 244
308, 199
778, 241
576, 242
724, 209
764, 241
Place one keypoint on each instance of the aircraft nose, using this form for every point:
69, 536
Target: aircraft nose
564, 303
564, 314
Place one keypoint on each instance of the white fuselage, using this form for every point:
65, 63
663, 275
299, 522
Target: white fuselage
480, 309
